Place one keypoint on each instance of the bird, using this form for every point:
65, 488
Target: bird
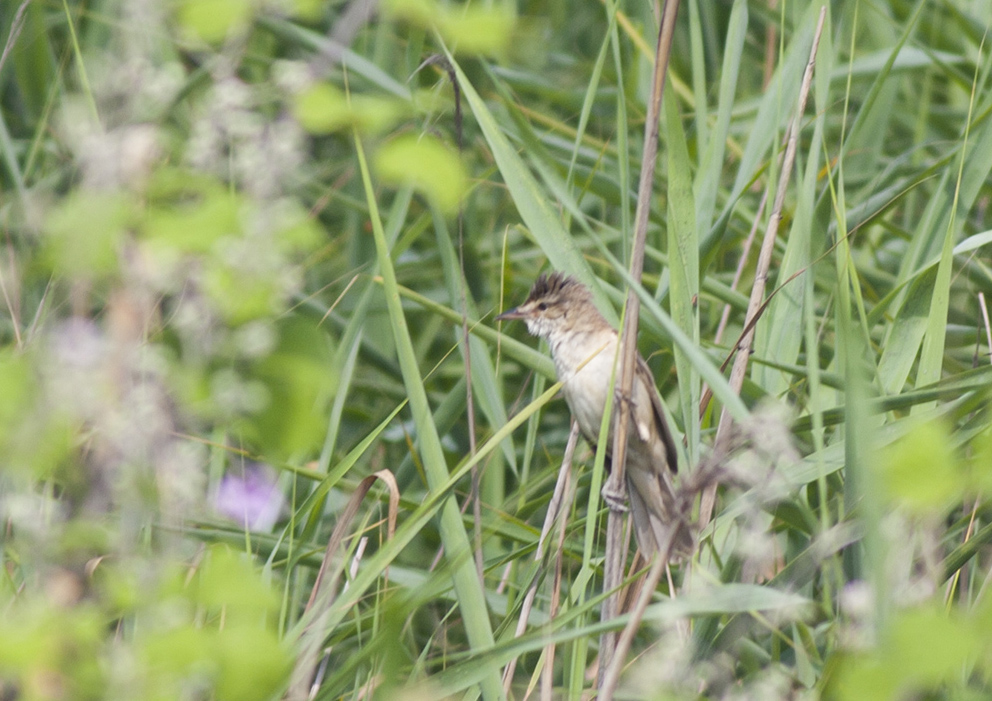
560, 310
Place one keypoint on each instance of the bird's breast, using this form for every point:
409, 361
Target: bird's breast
585, 366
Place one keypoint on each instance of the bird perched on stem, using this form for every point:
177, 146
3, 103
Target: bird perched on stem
583, 345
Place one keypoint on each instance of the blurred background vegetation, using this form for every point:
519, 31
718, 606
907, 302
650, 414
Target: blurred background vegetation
245, 241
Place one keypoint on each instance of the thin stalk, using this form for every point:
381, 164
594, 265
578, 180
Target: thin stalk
613, 572
557, 506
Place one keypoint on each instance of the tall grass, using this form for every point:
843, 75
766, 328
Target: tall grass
240, 247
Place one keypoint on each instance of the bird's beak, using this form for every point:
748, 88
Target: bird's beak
511, 314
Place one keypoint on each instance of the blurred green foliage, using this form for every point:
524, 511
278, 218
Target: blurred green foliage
323, 109
922, 650
84, 235
921, 471
214, 21
469, 29
428, 166
207, 628
299, 383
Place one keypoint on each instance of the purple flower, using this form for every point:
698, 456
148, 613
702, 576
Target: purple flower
252, 499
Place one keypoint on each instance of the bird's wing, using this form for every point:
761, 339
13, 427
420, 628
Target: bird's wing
644, 373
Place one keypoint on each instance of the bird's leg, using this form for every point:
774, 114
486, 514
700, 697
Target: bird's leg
614, 498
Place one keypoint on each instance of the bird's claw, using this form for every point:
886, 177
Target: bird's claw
615, 499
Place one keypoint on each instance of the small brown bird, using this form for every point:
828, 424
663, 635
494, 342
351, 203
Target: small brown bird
560, 310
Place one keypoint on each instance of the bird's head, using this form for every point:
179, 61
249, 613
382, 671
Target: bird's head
557, 303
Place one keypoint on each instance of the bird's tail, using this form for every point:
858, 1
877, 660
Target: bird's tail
657, 515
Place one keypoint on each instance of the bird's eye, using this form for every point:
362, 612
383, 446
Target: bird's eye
542, 306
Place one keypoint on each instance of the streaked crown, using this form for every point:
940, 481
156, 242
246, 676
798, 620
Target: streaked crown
556, 288
556, 302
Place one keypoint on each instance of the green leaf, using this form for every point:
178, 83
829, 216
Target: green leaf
39, 640
980, 465
299, 231
324, 109
228, 580
921, 650
420, 13
84, 234
17, 388
308, 10
239, 297
427, 165
254, 665
683, 256
477, 29
170, 655
469, 29
707, 181
189, 214
299, 383
213, 20
921, 470
862, 677
930, 646
906, 333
